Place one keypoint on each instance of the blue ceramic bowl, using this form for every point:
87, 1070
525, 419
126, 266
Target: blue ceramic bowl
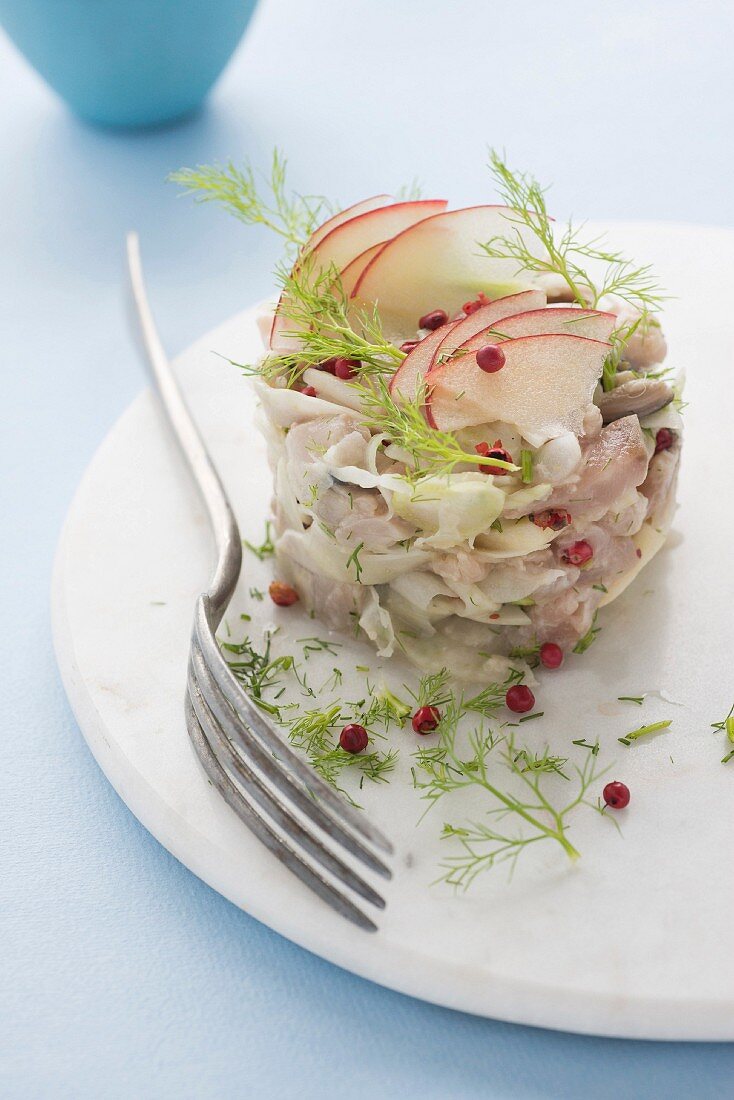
128, 62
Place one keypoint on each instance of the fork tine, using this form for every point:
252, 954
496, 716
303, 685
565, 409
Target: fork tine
279, 814
269, 766
269, 737
210, 610
300, 839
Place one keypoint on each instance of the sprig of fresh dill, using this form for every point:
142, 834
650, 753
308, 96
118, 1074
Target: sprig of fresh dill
291, 215
326, 326
446, 768
314, 730
567, 253
434, 453
560, 253
257, 670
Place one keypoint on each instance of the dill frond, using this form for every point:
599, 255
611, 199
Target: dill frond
445, 770
567, 253
292, 216
435, 453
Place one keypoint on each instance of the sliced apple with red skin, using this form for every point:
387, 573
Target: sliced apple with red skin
345, 215
350, 239
416, 365
439, 264
277, 327
485, 316
536, 322
544, 387
351, 273
411, 372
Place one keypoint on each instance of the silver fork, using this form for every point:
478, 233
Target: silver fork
301, 819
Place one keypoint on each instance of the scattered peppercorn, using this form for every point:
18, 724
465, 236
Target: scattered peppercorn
519, 699
426, 719
495, 451
434, 319
346, 369
490, 358
551, 655
308, 391
472, 307
353, 738
282, 594
664, 440
554, 518
616, 795
578, 553
408, 345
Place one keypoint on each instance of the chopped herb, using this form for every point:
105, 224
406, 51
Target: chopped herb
600, 587
353, 559
637, 699
257, 671
643, 731
593, 749
257, 594
266, 549
589, 637
318, 645
526, 466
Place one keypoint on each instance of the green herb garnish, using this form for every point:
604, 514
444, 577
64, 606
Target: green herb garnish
266, 549
643, 731
589, 637
292, 216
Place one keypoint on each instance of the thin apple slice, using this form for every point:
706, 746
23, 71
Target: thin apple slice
345, 215
351, 273
535, 322
438, 264
544, 387
347, 241
409, 375
485, 316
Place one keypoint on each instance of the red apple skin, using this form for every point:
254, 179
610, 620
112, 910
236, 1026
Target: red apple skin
485, 316
350, 238
345, 215
437, 264
411, 371
353, 270
551, 321
526, 358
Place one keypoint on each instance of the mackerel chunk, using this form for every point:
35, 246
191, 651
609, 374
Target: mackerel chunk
613, 465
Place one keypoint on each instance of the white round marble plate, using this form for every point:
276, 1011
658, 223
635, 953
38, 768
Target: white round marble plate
634, 940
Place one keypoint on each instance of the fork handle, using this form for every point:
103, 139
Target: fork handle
221, 517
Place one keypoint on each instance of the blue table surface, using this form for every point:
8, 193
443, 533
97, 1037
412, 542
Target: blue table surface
122, 974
